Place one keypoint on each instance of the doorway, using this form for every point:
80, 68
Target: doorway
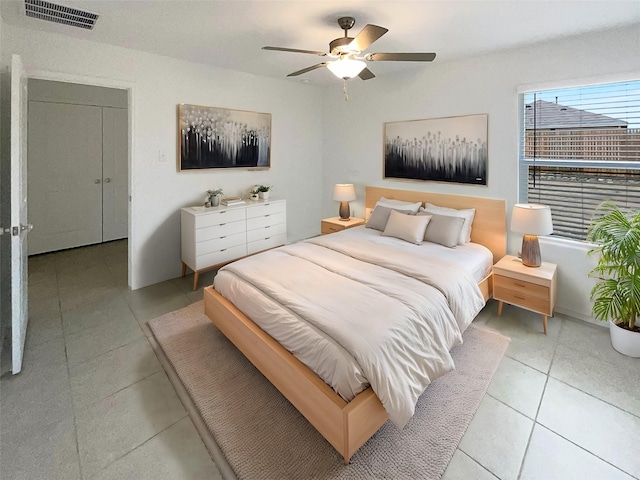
78, 165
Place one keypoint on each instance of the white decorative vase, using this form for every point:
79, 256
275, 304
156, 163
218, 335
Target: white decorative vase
215, 200
254, 196
625, 341
264, 195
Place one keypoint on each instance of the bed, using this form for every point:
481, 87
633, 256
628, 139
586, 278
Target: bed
348, 418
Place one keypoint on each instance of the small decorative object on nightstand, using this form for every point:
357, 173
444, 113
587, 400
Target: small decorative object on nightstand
530, 288
344, 193
336, 224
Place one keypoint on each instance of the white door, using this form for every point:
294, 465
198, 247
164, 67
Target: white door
115, 173
19, 226
65, 175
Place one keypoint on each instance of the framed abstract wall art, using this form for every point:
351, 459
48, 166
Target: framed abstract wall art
210, 137
450, 149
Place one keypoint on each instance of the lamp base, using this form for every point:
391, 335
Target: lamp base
531, 251
345, 211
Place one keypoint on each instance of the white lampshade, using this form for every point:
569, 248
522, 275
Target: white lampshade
344, 192
531, 219
346, 67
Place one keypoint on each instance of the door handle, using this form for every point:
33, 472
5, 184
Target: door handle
97, 181
28, 227
107, 180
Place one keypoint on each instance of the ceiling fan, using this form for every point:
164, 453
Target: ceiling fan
347, 50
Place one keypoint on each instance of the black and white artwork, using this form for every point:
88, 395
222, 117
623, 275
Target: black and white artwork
212, 137
451, 149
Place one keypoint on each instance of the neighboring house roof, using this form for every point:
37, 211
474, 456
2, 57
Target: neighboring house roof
553, 115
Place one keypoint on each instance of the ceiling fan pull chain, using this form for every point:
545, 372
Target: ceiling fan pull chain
344, 89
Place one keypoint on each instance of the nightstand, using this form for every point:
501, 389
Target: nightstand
334, 224
533, 288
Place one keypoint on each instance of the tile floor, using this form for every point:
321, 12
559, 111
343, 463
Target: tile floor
93, 401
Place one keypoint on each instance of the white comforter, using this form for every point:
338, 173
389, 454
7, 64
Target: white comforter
395, 314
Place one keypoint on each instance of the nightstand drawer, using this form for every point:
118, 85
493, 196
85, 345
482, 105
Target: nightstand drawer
330, 228
519, 286
530, 302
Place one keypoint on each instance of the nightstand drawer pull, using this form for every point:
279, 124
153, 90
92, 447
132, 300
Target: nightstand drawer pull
521, 285
519, 297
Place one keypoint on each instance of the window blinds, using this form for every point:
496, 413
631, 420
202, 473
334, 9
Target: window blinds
580, 146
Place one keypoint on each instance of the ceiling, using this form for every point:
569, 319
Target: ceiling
230, 34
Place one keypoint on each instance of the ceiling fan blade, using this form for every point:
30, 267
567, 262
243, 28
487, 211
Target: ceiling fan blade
368, 35
295, 50
401, 57
308, 69
366, 74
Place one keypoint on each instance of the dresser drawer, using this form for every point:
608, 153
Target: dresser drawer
220, 217
220, 256
530, 302
266, 243
217, 244
267, 231
266, 209
266, 220
218, 231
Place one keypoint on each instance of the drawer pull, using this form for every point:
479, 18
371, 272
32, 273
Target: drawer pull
223, 250
222, 224
267, 238
268, 226
519, 285
519, 297
223, 237
223, 211
267, 215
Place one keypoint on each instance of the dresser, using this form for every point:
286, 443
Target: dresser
213, 236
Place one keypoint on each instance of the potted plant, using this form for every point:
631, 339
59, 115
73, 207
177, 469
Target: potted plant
214, 196
254, 192
616, 233
263, 191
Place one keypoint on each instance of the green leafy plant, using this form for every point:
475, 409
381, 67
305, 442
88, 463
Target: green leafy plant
616, 233
214, 193
264, 188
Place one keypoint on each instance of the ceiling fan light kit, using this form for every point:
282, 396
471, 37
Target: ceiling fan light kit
346, 68
346, 50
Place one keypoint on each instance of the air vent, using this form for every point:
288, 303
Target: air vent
60, 14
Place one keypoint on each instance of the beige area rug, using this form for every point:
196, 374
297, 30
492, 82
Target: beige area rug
264, 437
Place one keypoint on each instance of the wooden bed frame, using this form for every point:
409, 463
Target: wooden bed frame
346, 426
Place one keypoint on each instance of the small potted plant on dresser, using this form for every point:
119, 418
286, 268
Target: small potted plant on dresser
616, 295
214, 196
254, 193
263, 191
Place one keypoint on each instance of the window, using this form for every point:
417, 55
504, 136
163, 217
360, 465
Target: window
580, 146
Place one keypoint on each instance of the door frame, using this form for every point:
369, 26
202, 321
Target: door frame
109, 83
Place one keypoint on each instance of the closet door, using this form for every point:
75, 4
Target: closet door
65, 175
115, 195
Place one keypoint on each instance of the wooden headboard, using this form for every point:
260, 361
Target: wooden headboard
489, 224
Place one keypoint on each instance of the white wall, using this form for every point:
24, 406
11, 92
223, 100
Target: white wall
158, 84
353, 130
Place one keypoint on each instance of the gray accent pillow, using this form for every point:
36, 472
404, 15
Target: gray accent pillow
380, 216
443, 229
409, 228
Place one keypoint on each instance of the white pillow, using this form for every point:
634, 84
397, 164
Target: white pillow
467, 214
406, 227
390, 203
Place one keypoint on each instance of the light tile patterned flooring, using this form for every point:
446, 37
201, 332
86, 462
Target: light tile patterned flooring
93, 401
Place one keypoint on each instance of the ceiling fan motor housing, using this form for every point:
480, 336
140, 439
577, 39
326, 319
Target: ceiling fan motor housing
340, 46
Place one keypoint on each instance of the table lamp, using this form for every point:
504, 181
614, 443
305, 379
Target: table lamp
344, 193
531, 220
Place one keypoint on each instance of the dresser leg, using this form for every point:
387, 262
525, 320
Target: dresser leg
500, 304
196, 274
184, 269
544, 323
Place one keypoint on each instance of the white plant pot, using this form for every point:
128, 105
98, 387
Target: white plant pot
625, 341
264, 195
